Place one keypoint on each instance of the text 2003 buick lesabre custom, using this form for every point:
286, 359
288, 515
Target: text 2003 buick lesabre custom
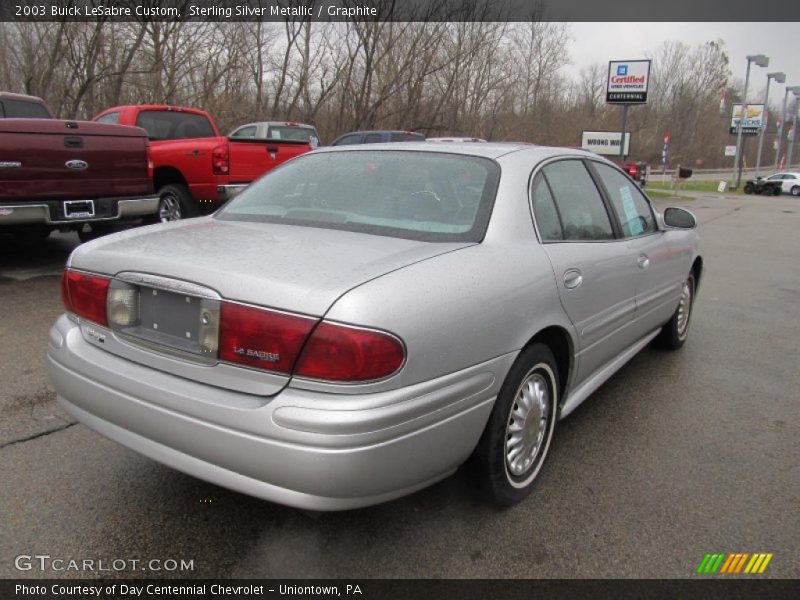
361, 321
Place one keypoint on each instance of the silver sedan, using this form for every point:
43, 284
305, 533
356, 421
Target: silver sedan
362, 321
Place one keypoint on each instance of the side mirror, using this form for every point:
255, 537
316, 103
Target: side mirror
679, 218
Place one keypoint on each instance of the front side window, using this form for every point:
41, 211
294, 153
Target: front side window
353, 138
372, 138
291, 133
579, 204
632, 209
425, 196
174, 125
247, 133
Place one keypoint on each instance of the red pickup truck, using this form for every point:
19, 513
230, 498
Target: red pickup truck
68, 175
195, 168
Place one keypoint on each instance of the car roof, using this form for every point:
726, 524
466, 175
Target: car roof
22, 97
278, 123
383, 131
491, 150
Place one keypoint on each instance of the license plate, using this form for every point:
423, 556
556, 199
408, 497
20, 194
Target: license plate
171, 314
79, 209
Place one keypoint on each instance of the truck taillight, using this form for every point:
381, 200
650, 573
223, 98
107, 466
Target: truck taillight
219, 160
85, 295
150, 166
279, 342
343, 353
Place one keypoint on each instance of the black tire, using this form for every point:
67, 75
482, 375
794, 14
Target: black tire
175, 202
795, 191
748, 188
535, 371
776, 191
92, 231
673, 335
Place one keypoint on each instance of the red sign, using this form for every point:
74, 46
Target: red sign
666, 138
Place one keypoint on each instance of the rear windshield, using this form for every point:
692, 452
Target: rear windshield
174, 125
297, 134
17, 109
423, 196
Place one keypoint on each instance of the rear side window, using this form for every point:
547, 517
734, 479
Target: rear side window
174, 125
403, 136
288, 132
112, 117
578, 201
372, 138
544, 209
632, 209
16, 109
353, 138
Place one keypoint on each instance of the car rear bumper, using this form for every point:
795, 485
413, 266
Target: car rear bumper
311, 450
51, 212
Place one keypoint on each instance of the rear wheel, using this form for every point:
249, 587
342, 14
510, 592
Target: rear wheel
795, 191
749, 188
517, 437
673, 335
175, 203
776, 191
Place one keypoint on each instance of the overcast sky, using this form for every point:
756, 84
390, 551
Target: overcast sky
601, 42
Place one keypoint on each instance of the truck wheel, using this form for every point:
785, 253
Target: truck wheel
175, 203
748, 188
94, 231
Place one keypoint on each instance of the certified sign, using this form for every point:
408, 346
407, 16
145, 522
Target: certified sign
753, 121
604, 142
628, 81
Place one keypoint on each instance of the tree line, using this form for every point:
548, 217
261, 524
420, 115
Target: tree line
495, 80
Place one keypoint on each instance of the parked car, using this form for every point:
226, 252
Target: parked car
69, 175
276, 130
760, 185
377, 137
195, 168
456, 140
636, 170
361, 321
790, 182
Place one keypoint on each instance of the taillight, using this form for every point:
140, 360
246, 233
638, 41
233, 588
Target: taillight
150, 166
261, 338
342, 353
219, 160
85, 295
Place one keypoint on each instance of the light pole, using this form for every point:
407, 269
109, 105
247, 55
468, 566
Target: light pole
794, 132
779, 78
796, 91
761, 61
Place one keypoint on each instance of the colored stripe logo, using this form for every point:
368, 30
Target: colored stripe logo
733, 563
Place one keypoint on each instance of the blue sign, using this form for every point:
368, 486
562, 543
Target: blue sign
622, 69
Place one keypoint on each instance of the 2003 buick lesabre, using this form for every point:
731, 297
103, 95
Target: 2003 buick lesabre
361, 321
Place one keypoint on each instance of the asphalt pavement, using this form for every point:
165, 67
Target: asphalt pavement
679, 454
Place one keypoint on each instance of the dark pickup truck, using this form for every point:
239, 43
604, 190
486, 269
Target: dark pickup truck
69, 175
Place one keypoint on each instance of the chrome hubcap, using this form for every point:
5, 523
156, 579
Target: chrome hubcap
527, 424
684, 306
169, 209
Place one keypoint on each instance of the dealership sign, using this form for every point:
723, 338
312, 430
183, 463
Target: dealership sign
628, 81
604, 142
753, 121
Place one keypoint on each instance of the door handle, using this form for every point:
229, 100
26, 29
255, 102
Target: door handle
643, 261
572, 279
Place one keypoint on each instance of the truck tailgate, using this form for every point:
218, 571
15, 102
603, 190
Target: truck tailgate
50, 159
250, 159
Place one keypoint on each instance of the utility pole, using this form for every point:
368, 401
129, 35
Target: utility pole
794, 136
622, 137
780, 78
761, 61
